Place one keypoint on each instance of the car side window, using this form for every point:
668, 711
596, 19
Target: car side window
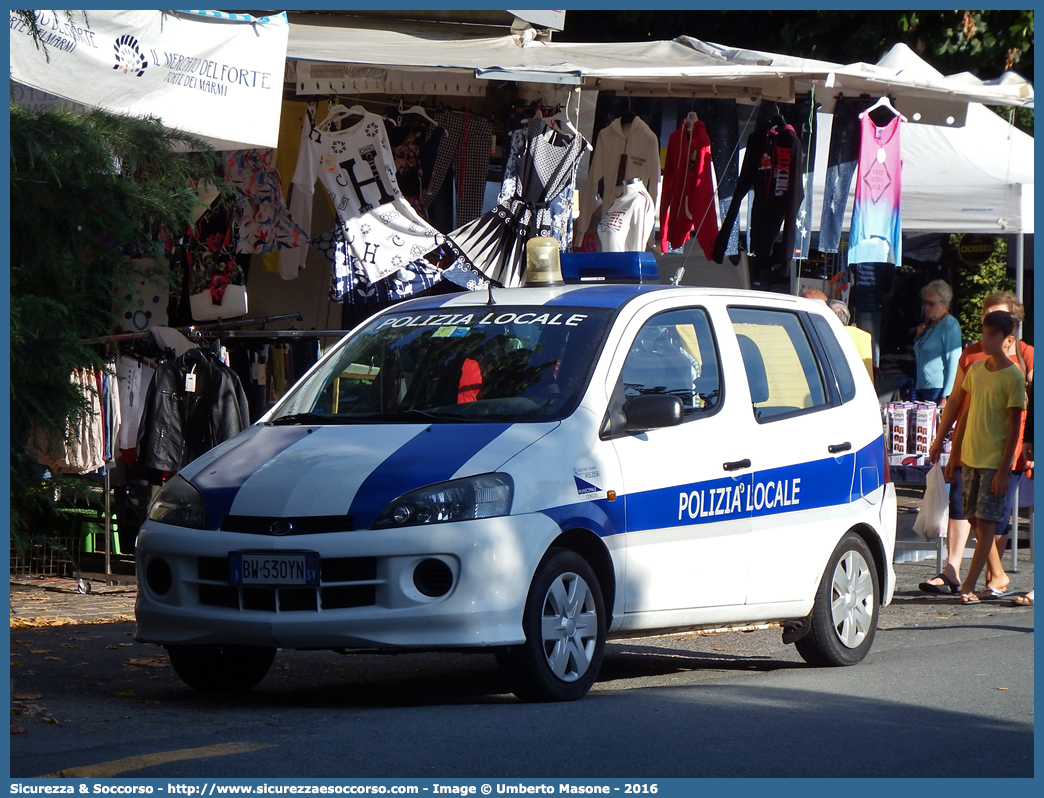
674, 353
836, 357
782, 371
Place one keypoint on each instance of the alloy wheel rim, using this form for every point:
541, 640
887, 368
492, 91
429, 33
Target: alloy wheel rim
852, 599
569, 627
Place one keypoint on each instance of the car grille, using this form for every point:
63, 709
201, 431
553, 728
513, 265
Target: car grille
343, 582
305, 525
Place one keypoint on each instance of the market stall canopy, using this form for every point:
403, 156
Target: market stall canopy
378, 55
216, 75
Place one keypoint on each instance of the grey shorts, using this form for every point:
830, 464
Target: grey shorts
979, 501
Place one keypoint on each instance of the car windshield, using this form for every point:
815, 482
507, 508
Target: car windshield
518, 363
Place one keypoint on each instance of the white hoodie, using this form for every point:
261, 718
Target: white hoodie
642, 150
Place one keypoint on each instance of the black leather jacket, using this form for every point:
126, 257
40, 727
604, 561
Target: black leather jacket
177, 425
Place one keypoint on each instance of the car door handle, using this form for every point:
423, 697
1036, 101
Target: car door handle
834, 448
736, 465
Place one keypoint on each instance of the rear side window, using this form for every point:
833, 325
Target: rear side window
836, 357
674, 354
781, 367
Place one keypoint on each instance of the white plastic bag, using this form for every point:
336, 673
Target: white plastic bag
934, 512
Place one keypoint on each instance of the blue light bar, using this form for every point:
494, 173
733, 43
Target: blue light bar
609, 267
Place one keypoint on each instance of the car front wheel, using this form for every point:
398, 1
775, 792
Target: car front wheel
844, 618
564, 624
221, 669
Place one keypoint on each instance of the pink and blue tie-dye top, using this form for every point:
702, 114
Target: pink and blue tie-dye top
876, 235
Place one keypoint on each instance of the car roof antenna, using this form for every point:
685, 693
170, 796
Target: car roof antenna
490, 301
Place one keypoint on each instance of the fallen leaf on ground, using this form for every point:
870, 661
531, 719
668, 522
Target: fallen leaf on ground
18, 730
26, 696
69, 645
40, 651
126, 693
53, 659
148, 662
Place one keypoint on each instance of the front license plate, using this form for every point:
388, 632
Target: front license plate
274, 568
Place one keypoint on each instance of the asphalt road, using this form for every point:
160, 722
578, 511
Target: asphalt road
946, 691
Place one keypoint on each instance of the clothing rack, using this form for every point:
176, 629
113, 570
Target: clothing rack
213, 326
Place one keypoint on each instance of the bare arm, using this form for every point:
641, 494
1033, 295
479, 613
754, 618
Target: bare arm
1000, 479
951, 411
955, 449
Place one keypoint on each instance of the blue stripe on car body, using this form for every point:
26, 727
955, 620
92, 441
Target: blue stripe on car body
219, 480
791, 488
434, 455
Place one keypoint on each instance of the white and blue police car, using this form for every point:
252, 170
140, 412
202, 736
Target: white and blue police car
533, 471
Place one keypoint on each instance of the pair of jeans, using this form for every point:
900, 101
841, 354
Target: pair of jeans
842, 162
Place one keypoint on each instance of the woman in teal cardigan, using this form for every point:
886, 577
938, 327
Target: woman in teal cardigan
937, 346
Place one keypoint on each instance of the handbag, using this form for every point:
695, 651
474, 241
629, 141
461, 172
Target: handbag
934, 512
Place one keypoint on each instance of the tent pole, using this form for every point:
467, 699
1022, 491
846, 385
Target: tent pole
1019, 276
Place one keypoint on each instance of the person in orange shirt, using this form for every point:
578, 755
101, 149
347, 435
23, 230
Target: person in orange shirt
958, 529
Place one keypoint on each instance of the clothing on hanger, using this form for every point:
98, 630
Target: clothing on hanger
265, 223
193, 404
688, 200
415, 146
357, 168
464, 149
772, 168
349, 277
534, 153
619, 155
876, 234
494, 244
291, 261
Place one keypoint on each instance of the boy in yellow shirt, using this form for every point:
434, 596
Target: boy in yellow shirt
985, 444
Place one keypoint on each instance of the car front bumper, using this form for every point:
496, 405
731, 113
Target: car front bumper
367, 597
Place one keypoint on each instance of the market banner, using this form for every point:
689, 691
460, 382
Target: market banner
214, 74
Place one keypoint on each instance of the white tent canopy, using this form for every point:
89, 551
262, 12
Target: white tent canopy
682, 67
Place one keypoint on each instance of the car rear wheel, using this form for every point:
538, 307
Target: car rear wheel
844, 619
221, 669
564, 623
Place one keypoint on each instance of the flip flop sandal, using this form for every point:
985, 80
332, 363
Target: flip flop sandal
1022, 601
969, 598
947, 588
992, 594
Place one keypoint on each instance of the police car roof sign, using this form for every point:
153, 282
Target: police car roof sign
218, 76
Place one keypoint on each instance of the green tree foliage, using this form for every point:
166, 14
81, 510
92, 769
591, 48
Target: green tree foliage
972, 284
84, 189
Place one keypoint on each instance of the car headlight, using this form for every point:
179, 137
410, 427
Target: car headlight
484, 496
179, 504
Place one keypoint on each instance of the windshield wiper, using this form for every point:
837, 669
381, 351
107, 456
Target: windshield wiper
307, 418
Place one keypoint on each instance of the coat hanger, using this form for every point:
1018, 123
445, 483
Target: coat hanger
416, 110
628, 116
562, 117
883, 102
338, 112
691, 119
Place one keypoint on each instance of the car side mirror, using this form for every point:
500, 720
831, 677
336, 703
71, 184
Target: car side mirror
652, 411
